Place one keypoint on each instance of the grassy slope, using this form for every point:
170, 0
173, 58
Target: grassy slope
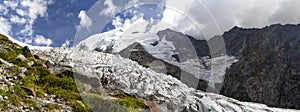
62, 85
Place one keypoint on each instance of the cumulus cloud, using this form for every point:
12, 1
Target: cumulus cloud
287, 12
135, 24
11, 4
110, 9
41, 40
36, 8
85, 21
213, 17
67, 43
23, 13
16, 19
3, 10
5, 26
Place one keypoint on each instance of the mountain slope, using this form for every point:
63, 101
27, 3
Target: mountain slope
268, 69
115, 73
27, 85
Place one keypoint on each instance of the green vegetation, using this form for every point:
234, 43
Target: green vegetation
52, 107
98, 91
39, 80
19, 91
29, 102
99, 104
129, 101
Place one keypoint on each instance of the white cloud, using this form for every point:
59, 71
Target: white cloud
176, 20
213, 17
28, 31
28, 40
246, 13
27, 11
21, 12
117, 22
85, 21
134, 24
36, 8
11, 4
16, 19
5, 26
41, 40
110, 9
3, 10
66, 44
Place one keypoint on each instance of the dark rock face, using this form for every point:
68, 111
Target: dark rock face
188, 47
137, 53
26, 51
268, 69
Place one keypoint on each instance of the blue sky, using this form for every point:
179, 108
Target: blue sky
60, 22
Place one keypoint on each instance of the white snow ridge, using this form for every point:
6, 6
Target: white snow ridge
128, 76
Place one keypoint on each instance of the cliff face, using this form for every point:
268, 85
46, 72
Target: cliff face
137, 53
187, 46
268, 69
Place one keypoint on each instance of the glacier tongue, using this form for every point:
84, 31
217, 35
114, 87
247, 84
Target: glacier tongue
127, 76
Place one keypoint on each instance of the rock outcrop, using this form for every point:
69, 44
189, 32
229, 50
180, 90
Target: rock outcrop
268, 69
16, 94
187, 46
137, 53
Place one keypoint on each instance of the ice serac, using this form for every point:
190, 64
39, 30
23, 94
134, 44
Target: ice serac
120, 74
268, 69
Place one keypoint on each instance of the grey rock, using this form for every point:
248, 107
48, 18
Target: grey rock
4, 87
137, 53
26, 51
21, 57
5, 97
187, 47
268, 69
30, 63
5, 63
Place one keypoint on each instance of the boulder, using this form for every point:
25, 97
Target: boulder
30, 63
22, 57
26, 51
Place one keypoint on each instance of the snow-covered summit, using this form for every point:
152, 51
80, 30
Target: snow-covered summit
117, 40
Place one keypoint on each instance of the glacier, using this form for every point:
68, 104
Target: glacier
128, 76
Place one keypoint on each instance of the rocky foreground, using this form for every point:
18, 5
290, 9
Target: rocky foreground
166, 93
23, 81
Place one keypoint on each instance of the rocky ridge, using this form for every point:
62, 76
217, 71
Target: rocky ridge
266, 72
268, 68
